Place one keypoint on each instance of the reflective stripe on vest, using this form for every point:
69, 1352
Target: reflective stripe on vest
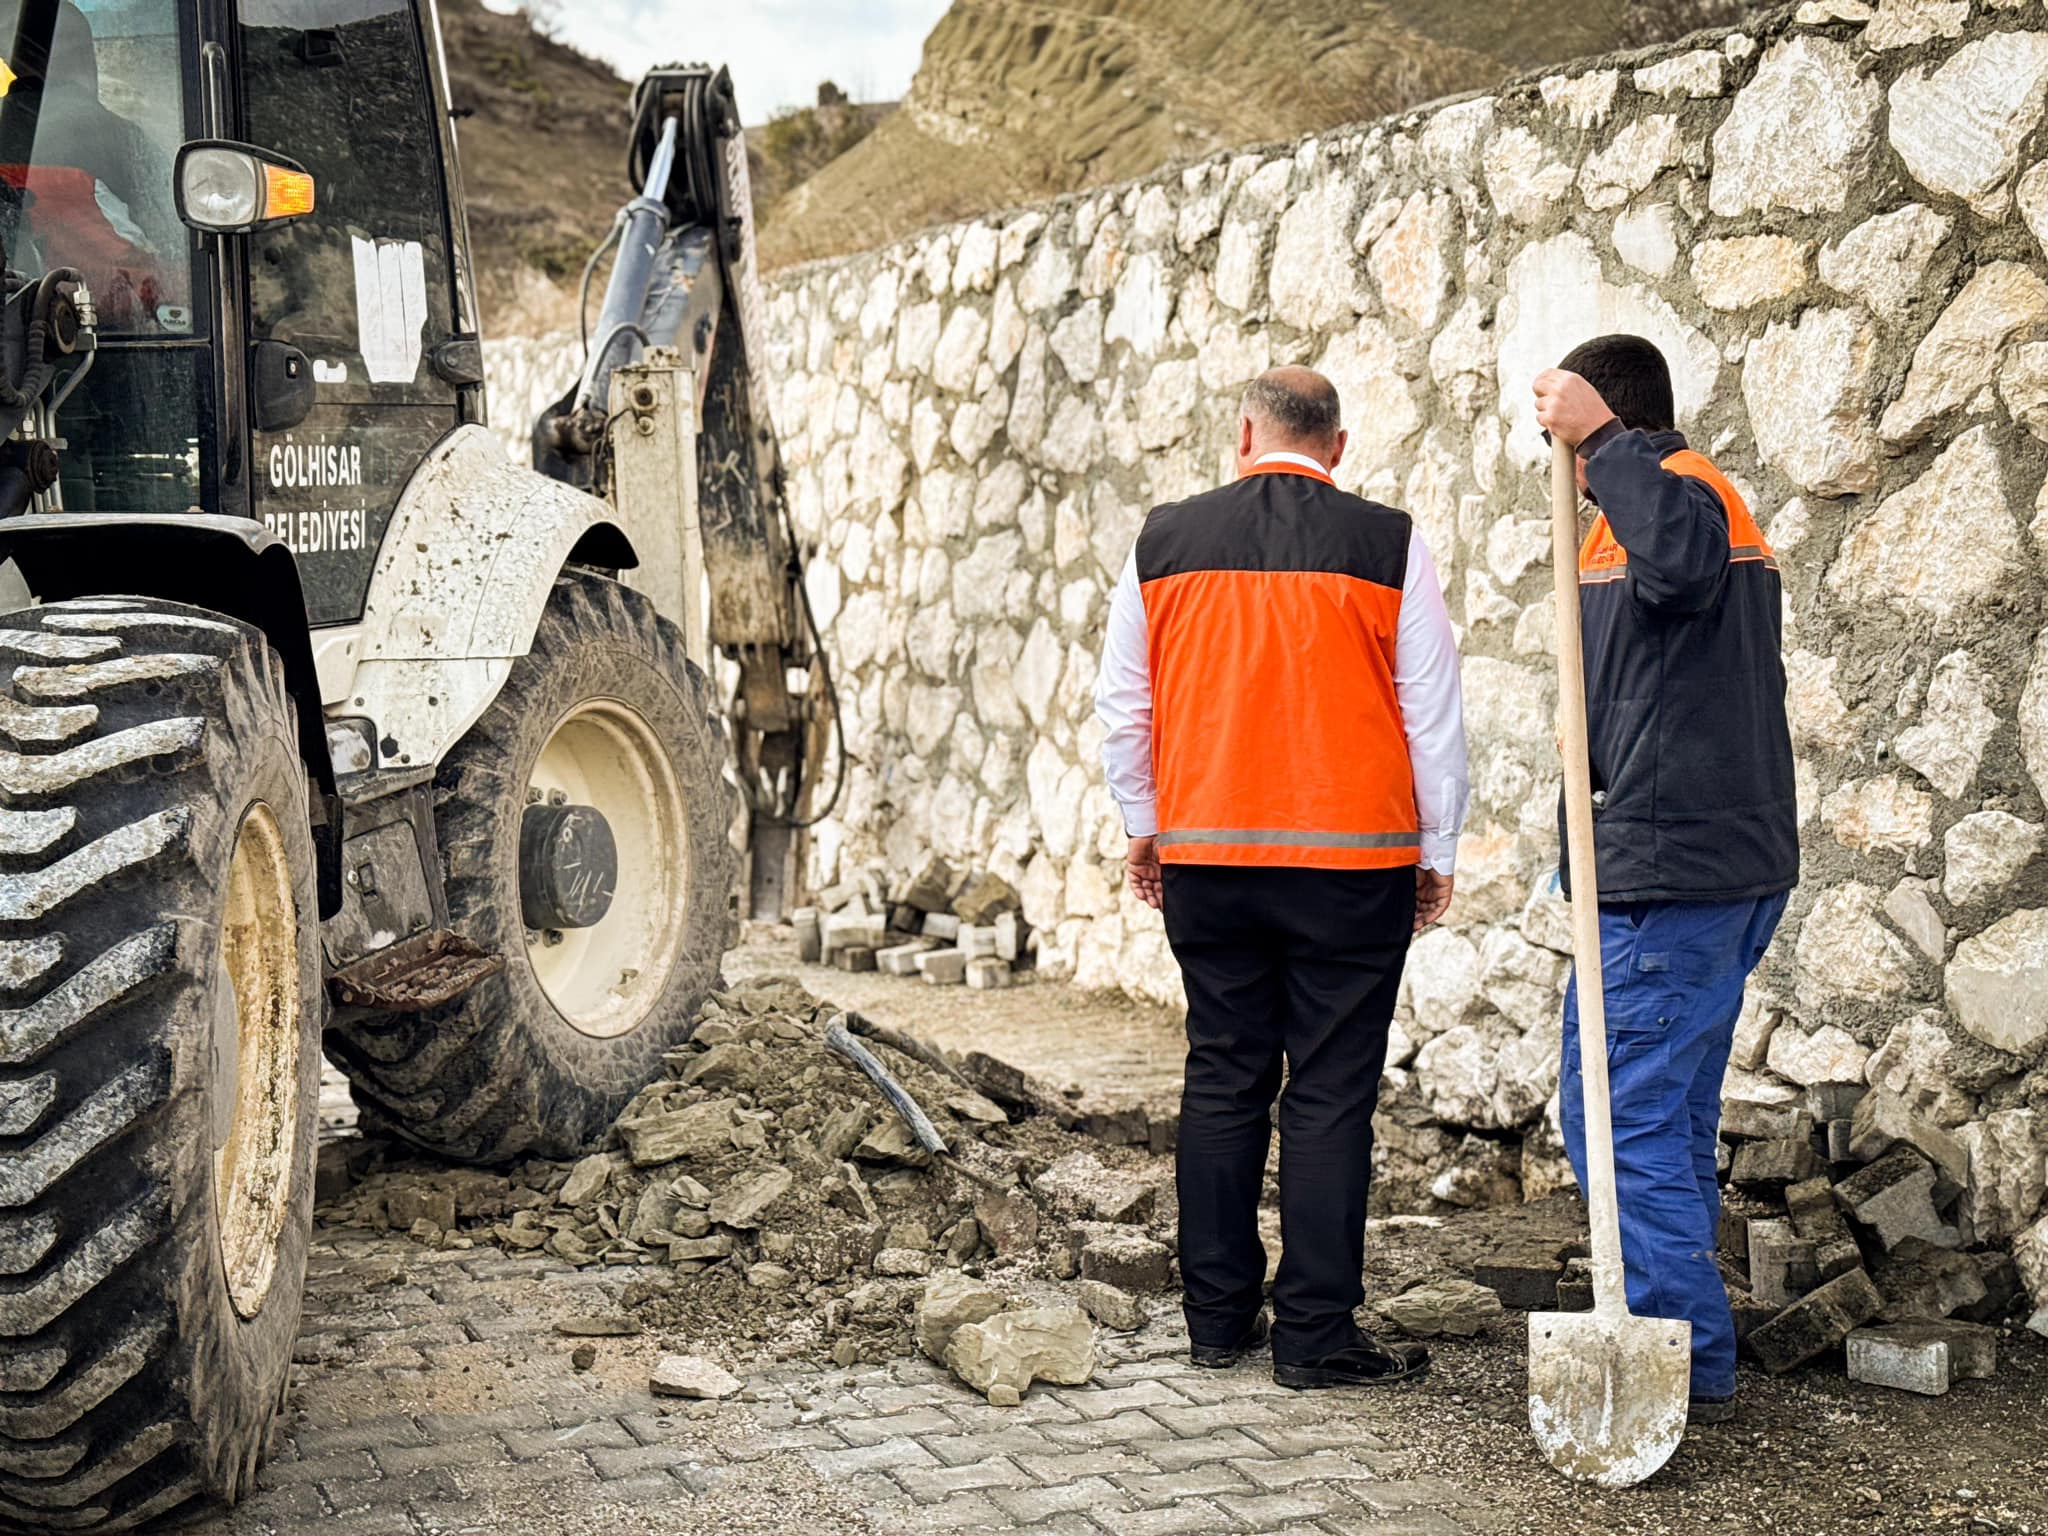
1253, 838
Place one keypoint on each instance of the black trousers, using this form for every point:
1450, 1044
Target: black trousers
1300, 964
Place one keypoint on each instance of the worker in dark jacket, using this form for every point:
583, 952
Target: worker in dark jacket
1696, 827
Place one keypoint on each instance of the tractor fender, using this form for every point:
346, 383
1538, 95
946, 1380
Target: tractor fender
466, 565
232, 565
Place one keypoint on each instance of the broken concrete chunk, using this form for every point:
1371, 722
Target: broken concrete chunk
586, 1180
950, 1302
901, 959
1774, 1164
1080, 1186
741, 1205
1749, 1119
855, 958
684, 1250
1457, 1308
1011, 1350
988, 975
976, 941
1011, 932
891, 1142
983, 897
1121, 1256
696, 1130
1923, 1283
730, 1065
1910, 1364
409, 1205
693, 1377
942, 926
1524, 1272
810, 934
1782, 1266
1111, 1307
1817, 1218
930, 888
1895, 1197
1817, 1322
969, 1105
943, 967
903, 1263
1009, 1220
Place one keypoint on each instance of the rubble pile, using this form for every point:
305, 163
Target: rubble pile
951, 930
764, 1195
1855, 1220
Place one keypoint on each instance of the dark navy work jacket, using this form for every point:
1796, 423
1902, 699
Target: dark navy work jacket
1681, 606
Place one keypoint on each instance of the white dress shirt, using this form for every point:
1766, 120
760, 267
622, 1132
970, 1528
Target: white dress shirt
1425, 682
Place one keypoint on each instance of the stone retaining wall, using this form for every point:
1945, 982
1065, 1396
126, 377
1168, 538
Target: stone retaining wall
1835, 233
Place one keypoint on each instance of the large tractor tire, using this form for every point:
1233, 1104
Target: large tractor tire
160, 1014
605, 713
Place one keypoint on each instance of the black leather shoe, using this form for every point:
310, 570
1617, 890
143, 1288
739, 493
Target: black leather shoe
1364, 1363
1710, 1410
1219, 1357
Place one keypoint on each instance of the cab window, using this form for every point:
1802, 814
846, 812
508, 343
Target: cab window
362, 286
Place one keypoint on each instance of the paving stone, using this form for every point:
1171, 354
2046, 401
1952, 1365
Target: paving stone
1189, 1482
1175, 1455
362, 1435
342, 1466
599, 1434
1118, 1429
1190, 1516
1277, 1473
1817, 1323
962, 1512
938, 1483
1091, 1495
402, 1460
1270, 1509
880, 1457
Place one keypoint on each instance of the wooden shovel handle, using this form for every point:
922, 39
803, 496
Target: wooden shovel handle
1608, 1291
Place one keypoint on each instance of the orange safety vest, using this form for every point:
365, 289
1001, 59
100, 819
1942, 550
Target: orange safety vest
1272, 606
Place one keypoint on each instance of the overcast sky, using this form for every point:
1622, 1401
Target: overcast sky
778, 49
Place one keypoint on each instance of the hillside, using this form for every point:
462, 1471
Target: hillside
543, 161
1021, 99
1014, 100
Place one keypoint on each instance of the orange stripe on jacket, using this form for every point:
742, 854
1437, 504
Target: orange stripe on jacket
1601, 557
1274, 712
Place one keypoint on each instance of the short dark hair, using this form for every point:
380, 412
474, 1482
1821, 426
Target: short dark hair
1297, 402
1632, 378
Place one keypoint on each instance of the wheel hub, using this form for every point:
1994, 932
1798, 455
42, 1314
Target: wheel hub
603, 868
568, 866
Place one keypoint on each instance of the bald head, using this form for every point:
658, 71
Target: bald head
1290, 410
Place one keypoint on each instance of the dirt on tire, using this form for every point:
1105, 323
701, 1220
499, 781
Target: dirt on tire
141, 1365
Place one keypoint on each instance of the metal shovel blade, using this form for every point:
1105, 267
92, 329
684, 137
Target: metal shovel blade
1608, 1392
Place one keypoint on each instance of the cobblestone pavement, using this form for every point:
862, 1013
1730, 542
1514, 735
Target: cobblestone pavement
433, 1396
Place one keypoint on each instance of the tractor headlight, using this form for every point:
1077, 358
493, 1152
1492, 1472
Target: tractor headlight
226, 188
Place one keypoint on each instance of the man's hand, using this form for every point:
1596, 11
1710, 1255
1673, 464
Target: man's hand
1141, 860
1432, 896
1569, 408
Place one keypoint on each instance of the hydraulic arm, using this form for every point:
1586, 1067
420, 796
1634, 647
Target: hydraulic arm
683, 281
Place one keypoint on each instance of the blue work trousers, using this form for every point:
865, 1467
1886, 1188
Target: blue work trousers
1674, 977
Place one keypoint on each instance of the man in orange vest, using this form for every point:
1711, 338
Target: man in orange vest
1695, 820
1286, 739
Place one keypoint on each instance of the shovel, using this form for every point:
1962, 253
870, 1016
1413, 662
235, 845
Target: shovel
1607, 1390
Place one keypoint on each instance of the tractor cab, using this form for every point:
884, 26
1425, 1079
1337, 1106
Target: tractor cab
254, 199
